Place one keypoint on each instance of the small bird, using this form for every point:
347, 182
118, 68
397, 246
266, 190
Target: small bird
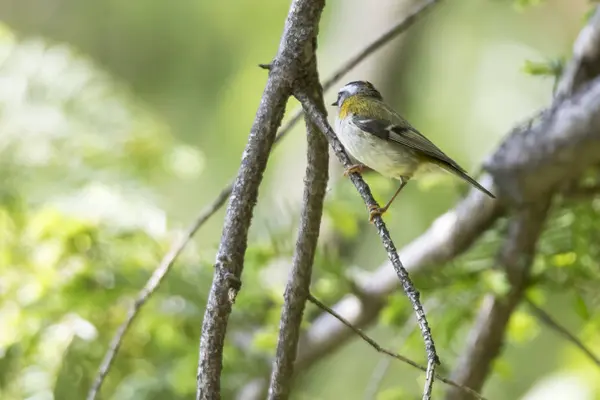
379, 138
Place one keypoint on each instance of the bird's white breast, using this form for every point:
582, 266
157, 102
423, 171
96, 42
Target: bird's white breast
389, 159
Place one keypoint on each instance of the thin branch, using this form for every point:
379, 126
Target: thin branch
294, 55
408, 20
153, 283
390, 353
561, 330
383, 365
311, 109
298, 286
167, 262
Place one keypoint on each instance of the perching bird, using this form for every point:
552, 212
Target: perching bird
378, 137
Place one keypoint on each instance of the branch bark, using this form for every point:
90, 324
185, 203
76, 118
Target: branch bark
298, 286
295, 50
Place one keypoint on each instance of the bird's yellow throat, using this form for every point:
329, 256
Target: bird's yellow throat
356, 105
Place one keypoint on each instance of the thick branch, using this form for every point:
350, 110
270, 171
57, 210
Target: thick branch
298, 286
525, 171
585, 63
528, 168
295, 46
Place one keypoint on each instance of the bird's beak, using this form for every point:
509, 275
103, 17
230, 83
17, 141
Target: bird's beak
334, 103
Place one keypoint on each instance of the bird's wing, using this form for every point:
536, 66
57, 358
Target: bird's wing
403, 134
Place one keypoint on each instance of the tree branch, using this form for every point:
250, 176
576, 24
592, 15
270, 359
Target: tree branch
383, 365
561, 330
319, 119
169, 259
585, 63
295, 48
298, 286
148, 290
390, 353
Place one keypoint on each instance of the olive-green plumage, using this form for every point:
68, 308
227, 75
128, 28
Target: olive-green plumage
381, 139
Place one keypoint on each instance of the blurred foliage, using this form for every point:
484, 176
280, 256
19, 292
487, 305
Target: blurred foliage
114, 130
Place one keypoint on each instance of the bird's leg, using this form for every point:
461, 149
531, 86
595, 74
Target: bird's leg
354, 168
374, 210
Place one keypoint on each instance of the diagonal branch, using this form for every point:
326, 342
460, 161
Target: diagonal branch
147, 291
316, 115
561, 330
298, 286
390, 353
169, 259
295, 50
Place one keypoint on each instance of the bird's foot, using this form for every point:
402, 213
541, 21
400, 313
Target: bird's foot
354, 168
375, 210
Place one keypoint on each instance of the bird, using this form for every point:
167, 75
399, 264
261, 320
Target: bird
381, 139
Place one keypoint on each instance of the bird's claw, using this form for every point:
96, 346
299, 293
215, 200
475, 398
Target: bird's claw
374, 210
354, 168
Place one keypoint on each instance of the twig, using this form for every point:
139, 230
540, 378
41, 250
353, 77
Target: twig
413, 295
390, 353
561, 330
298, 285
383, 365
293, 56
408, 20
153, 283
221, 198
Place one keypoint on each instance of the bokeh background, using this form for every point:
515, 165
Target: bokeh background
120, 120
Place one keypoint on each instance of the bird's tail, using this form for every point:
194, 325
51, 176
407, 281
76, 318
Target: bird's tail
463, 175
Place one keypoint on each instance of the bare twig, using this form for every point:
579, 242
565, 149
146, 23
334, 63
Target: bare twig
413, 295
171, 256
390, 353
298, 286
294, 54
382, 366
561, 330
408, 20
152, 284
